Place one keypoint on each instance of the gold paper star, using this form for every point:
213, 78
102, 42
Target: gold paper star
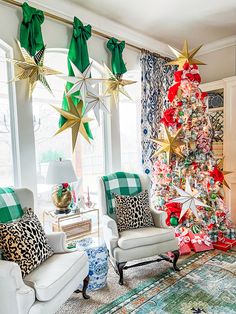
115, 85
185, 56
220, 167
75, 120
32, 68
170, 144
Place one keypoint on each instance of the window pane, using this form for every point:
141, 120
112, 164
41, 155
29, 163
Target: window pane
6, 162
87, 158
130, 124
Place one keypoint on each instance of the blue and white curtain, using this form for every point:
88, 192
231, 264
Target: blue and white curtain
156, 79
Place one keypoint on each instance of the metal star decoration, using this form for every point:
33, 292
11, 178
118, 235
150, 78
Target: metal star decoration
170, 144
220, 167
32, 68
185, 56
189, 199
95, 102
82, 80
115, 85
75, 120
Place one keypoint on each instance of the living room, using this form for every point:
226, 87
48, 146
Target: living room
117, 163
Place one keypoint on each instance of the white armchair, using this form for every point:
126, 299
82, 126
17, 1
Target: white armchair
140, 243
47, 287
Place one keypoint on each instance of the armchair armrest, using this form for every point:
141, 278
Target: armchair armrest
111, 234
159, 218
16, 297
57, 241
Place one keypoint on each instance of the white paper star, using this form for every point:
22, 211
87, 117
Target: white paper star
189, 199
82, 81
95, 102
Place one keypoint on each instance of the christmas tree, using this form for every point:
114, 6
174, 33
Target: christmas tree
188, 179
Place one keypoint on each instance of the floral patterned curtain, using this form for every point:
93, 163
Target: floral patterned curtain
156, 79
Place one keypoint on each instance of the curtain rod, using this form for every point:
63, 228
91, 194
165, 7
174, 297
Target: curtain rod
69, 22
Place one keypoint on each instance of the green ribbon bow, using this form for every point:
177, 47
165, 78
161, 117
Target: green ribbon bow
117, 62
78, 54
30, 30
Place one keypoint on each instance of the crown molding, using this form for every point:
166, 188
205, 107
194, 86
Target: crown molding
69, 9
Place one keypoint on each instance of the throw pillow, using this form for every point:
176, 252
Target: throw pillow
133, 212
25, 243
10, 208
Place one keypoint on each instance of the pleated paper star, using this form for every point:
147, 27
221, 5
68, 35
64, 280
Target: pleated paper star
170, 145
115, 85
188, 199
185, 56
82, 80
95, 102
33, 69
75, 120
220, 167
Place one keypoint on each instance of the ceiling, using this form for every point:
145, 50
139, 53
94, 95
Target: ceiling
171, 21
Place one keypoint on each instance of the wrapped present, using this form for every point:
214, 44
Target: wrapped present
184, 243
200, 242
232, 242
223, 246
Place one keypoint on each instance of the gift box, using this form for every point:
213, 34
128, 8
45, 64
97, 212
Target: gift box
200, 242
184, 243
232, 242
223, 246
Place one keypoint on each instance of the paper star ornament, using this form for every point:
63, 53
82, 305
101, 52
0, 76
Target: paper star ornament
189, 200
115, 85
170, 144
82, 80
185, 56
33, 69
220, 165
75, 120
95, 102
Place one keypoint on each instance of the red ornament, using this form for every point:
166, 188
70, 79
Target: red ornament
178, 76
168, 117
65, 185
186, 66
172, 92
217, 175
173, 209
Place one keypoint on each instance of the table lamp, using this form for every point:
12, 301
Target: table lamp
59, 173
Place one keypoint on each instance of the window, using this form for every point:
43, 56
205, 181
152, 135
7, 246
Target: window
8, 168
130, 111
88, 159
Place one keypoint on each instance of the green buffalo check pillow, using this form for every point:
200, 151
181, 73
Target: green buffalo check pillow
121, 183
10, 208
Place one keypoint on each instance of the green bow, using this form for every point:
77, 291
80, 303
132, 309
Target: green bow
117, 62
78, 54
30, 30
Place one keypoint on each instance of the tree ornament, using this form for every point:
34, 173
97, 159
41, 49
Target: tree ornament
213, 196
185, 56
115, 85
189, 199
174, 221
220, 167
82, 81
170, 144
75, 120
32, 68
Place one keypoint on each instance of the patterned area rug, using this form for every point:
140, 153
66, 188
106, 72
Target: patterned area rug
205, 284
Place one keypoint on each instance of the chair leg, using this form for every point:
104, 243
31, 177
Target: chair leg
85, 286
175, 259
120, 267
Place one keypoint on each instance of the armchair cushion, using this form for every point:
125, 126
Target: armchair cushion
144, 236
54, 274
25, 243
133, 212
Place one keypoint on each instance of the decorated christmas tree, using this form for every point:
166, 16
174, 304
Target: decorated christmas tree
188, 180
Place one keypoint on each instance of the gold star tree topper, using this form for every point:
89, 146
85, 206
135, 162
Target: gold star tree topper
185, 56
115, 85
75, 120
170, 144
32, 68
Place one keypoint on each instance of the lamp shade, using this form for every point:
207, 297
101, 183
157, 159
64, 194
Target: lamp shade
60, 171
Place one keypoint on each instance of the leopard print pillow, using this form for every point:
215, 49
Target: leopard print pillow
24, 242
133, 212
